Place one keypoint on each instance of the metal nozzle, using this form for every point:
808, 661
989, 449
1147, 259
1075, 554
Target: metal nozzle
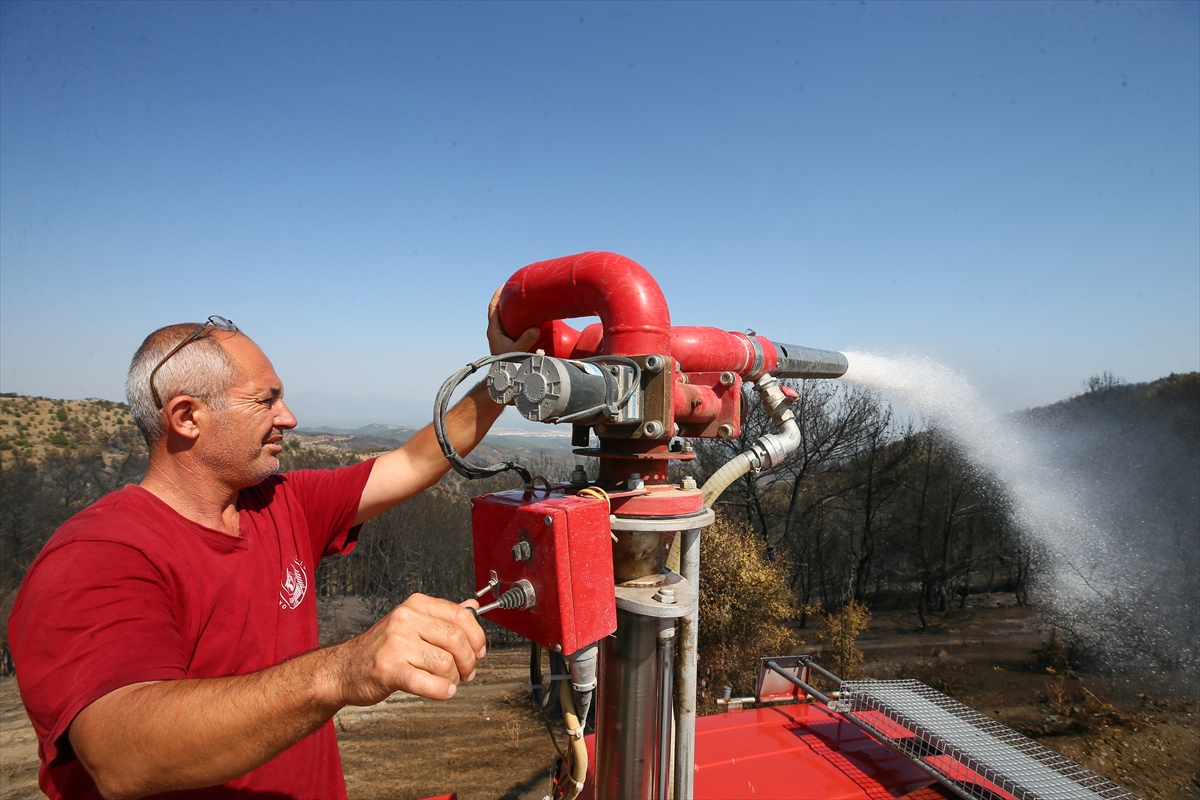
806, 362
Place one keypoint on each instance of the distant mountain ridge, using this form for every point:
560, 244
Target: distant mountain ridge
378, 437
399, 433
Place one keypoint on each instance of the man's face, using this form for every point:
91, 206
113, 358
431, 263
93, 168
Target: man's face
244, 440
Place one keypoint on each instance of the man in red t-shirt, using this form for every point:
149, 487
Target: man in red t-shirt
166, 637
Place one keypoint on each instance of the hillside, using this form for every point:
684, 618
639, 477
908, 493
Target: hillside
34, 427
1173, 401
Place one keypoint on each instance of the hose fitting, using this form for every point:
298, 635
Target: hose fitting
771, 449
768, 451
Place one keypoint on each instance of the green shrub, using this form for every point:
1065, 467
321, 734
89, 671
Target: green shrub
744, 607
839, 639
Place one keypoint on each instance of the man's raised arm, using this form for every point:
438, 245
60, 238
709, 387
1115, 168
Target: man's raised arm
419, 464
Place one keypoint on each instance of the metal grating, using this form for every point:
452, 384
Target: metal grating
963, 746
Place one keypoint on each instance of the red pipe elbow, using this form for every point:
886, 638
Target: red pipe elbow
632, 309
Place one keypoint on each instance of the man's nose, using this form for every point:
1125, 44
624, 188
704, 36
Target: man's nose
284, 419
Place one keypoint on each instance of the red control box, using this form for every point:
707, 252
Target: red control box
563, 546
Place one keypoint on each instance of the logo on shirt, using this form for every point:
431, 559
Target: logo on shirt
293, 585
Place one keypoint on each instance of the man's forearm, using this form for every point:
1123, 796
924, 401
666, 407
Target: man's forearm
182, 734
419, 464
152, 737
466, 424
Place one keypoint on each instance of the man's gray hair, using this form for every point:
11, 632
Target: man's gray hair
201, 369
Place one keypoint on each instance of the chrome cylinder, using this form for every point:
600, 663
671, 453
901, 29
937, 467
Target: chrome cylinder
808, 362
627, 717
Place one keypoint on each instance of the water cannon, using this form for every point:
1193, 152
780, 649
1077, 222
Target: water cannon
690, 369
582, 568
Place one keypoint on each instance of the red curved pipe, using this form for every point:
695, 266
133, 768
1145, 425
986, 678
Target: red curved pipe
633, 313
631, 307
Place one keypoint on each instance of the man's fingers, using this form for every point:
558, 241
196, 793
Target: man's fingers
444, 625
425, 646
497, 338
423, 684
527, 340
469, 604
439, 662
451, 612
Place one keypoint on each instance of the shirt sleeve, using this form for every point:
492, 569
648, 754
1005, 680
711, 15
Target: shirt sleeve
330, 499
93, 616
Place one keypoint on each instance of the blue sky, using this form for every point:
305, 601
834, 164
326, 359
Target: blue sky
1011, 188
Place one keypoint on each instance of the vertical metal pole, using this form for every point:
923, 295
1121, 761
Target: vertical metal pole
666, 671
685, 697
627, 714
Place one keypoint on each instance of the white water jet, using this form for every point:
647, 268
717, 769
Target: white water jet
1090, 574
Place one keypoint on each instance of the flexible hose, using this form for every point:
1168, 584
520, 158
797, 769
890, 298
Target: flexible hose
571, 784
733, 469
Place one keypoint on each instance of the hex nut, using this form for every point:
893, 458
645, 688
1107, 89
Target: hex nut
725, 431
653, 429
687, 483
727, 378
665, 596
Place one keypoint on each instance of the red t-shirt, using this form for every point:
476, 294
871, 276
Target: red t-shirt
129, 591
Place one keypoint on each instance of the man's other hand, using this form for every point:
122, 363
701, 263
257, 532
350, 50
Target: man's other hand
425, 646
498, 340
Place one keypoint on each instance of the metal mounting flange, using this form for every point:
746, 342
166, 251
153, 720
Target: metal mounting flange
679, 599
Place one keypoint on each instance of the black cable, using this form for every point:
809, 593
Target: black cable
440, 404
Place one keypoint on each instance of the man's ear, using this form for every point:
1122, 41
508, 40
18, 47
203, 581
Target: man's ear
185, 416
